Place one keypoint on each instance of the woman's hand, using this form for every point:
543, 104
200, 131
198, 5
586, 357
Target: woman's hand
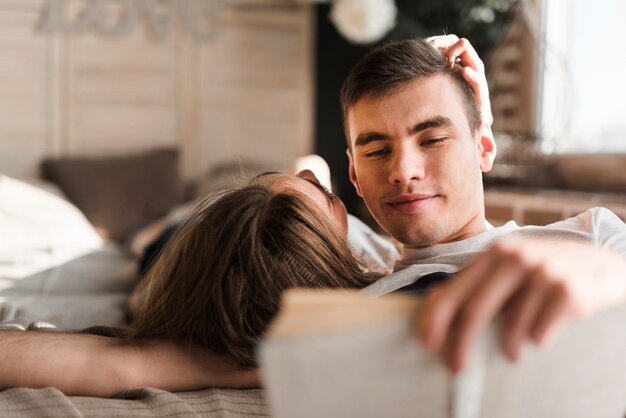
461, 52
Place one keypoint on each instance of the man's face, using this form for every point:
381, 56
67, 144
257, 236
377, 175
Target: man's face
417, 164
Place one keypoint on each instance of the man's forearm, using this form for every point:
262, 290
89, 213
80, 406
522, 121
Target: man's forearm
81, 364
77, 364
177, 366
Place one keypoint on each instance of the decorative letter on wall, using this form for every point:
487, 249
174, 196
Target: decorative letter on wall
115, 18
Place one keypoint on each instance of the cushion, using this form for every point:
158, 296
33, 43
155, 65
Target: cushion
117, 192
39, 229
32, 217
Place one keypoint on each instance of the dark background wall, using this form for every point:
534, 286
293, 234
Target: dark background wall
335, 57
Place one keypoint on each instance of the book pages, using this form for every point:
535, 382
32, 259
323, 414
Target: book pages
373, 371
342, 354
581, 374
353, 357
467, 387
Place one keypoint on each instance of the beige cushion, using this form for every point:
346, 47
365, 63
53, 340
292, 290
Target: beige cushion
118, 192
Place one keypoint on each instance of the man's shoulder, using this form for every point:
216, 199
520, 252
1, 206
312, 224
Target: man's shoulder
588, 223
598, 225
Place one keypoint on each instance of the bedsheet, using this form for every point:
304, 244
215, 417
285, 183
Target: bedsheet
92, 289
215, 403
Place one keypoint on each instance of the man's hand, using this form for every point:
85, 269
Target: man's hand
535, 285
461, 52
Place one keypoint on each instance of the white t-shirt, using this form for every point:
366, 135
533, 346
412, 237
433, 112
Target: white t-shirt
377, 252
598, 225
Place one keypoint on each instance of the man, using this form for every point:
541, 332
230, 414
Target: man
418, 144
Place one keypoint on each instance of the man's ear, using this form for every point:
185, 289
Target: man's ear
352, 173
486, 147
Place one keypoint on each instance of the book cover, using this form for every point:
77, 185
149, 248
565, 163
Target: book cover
337, 353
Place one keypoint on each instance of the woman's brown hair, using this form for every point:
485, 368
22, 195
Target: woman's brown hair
219, 280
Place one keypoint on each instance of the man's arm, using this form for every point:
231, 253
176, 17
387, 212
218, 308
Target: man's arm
535, 285
89, 365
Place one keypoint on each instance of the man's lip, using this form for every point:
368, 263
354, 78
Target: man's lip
409, 197
410, 203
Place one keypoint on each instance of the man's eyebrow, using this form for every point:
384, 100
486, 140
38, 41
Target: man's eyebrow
367, 137
436, 122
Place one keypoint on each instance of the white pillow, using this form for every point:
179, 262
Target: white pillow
35, 219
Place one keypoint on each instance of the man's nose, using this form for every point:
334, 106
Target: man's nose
406, 165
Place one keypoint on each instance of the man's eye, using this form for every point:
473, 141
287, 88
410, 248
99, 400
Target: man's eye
434, 141
376, 153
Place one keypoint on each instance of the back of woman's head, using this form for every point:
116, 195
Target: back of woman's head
219, 280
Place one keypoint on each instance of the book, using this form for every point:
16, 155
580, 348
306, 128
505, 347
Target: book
339, 353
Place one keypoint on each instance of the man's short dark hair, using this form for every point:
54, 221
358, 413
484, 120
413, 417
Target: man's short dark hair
393, 66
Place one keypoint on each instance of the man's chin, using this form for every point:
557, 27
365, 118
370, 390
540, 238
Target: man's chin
414, 236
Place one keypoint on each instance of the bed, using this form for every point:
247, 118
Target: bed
57, 272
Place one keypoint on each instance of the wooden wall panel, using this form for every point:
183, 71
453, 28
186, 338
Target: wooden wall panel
122, 94
252, 102
24, 81
512, 72
244, 94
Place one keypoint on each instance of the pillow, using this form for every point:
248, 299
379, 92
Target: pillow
34, 218
118, 192
38, 231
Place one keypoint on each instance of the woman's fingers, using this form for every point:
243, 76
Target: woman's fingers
462, 51
443, 41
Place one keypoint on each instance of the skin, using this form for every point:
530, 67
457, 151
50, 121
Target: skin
535, 285
461, 52
133, 364
308, 184
121, 365
417, 164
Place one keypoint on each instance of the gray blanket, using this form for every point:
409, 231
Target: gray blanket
87, 291
218, 403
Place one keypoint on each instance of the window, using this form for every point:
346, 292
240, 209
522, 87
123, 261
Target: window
582, 86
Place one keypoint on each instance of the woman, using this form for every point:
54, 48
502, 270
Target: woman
219, 280
208, 298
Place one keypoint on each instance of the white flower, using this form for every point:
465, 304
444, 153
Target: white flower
363, 21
